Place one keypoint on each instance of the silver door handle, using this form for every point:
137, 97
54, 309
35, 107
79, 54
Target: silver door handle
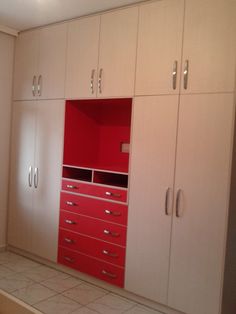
68, 259
112, 194
36, 177
69, 186
108, 274
177, 205
112, 213
40, 85
30, 176
105, 252
174, 74
70, 222
100, 81
167, 202
33, 85
112, 234
186, 72
70, 203
92, 81
67, 240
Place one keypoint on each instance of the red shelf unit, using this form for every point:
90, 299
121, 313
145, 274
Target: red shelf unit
93, 206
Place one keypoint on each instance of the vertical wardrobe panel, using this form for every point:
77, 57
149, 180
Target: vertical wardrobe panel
82, 58
26, 64
117, 53
210, 45
22, 157
150, 201
203, 165
159, 47
48, 160
52, 61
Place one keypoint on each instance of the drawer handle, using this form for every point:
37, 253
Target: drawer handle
105, 252
70, 203
69, 186
110, 212
70, 222
113, 234
112, 194
108, 274
67, 240
68, 259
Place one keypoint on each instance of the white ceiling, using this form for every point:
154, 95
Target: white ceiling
25, 14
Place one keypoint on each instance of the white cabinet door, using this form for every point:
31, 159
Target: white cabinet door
150, 200
117, 54
48, 161
26, 65
82, 58
52, 61
210, 45
203, 165
159, 47
21, 177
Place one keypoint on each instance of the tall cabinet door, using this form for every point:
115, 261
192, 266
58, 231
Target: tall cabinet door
26, 65
48, 161
159, 47
209, 46
150, 200
117, 53
202, 183
82, 58
52, 61
21, 176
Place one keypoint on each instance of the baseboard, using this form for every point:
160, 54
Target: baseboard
121, 292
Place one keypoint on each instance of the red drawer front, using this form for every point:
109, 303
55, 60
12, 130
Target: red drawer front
104, 210
93, 227
102, 250
95, 190
107, 272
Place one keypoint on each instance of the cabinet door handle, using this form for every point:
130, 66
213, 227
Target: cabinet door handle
30, 176
40, 85
105, 252
70, 222
167, 202
186, 71
67, 240
108, 274
100, 81
70, 203
92, 81
112, 213
68, 259
112, 194
33, 85
177, 206
36, 177
69, 186
174, 75
112, 234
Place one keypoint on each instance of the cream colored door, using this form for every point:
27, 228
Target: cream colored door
209, 46
52, 62
150, 199
159, 47
82, 58
202, 181
48, 161
26, 66
21, 175
117, 53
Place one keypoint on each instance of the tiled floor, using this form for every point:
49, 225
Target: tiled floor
54, 292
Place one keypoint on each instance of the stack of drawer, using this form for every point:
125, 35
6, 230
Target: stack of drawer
92, 234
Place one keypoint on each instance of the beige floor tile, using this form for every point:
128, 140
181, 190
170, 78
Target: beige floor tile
4, 272
142, 310
14, 282
6, 257
61, 283
21, 265
84, 310
85, 293
57, 305
41, 273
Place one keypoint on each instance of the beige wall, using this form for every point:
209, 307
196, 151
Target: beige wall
6, 69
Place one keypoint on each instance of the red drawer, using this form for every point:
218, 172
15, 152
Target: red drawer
95, 190
104, 210
96, 248
107, 272
93, 227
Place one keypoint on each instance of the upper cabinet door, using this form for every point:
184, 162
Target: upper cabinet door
209, 46
82, 58
52, 60
26, 66
117, 53
159, 47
